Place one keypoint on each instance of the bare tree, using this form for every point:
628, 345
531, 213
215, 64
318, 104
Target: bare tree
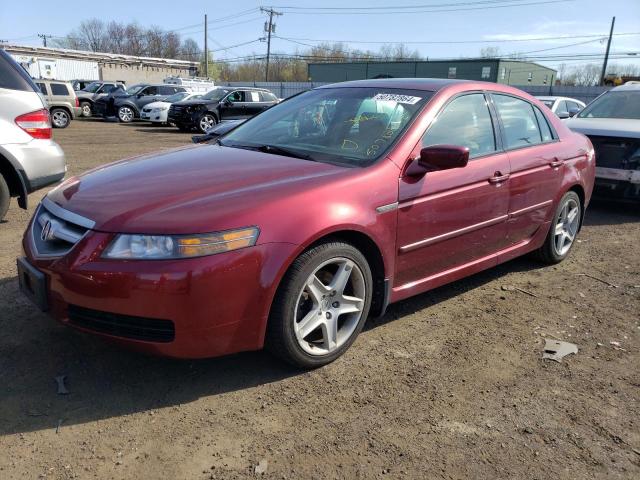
190, 50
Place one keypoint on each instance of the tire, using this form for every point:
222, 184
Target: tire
5, 197
564, 228
86, 109
126, 114
60, 118
311, 302
206, 122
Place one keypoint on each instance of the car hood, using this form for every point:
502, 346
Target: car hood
193, 189
605, 127
196, 101
157, 105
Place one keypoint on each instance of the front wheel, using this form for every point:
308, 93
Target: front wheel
60, 118
563, 231
321, 305
207, 122
125, 114
86, 109
5, 197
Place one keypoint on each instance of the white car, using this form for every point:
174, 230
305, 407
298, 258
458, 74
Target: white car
563, 107
156, 112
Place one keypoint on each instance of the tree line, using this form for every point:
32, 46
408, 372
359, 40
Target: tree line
133, 39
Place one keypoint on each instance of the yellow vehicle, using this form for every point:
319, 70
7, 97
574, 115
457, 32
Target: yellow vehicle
614, 80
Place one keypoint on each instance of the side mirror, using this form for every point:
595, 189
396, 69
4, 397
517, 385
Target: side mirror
574, 111
439, 157
562, 115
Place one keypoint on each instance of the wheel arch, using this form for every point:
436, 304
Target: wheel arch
366, 245
15, 182
62, 107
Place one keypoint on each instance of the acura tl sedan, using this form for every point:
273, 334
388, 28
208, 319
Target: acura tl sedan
294, 227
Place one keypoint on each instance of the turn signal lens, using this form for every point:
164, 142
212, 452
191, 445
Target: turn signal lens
158, 247
37, 124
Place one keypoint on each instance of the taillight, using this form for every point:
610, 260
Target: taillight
37, 124
77, 102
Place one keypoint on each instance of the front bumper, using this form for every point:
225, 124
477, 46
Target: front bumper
617, 183
159, 117
183, 118
215, 305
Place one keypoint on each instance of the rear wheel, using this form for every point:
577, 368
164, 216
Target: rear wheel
5, 197
321, 305
207, 122
86, 109
125, 114
563, 231
60, 118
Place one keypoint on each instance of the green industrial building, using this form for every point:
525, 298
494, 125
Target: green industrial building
510, 72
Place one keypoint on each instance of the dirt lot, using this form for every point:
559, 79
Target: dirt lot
447, 385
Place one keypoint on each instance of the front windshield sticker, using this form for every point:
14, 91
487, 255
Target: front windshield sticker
393, 97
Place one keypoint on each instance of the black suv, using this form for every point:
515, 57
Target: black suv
127, 104
222, 103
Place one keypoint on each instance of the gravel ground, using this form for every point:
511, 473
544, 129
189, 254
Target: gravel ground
449, 384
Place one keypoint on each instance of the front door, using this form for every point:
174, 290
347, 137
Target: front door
452, 218
234, 106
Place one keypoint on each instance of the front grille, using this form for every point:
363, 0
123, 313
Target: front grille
125, 326
55, 231
616, 152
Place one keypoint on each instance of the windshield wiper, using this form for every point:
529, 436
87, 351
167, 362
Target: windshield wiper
274, 149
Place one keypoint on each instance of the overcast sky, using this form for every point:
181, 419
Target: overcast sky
474, 22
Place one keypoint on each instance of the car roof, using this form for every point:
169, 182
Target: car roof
557, 97
628, 86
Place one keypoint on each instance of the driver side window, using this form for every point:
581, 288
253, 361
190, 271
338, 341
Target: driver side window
236, 96
465, 122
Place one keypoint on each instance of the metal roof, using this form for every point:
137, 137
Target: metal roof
113, 58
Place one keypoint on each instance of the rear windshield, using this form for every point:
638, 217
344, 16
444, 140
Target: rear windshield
13, 76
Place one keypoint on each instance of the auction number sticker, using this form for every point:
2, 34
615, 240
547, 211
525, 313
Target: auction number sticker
393, 97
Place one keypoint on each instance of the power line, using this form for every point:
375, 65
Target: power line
367, 10
453, 42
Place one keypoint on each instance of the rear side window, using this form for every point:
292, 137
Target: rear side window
43, 88
267, 97
545, 130
13, 76
465, 121
59, 89
518, 120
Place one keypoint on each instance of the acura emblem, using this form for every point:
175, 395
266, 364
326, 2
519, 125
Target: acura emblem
48, 231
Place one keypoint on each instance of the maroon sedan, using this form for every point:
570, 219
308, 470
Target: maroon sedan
299, 224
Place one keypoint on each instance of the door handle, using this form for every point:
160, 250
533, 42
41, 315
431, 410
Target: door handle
498, 177
555, 163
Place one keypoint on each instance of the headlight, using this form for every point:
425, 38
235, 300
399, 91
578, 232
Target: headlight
159, 247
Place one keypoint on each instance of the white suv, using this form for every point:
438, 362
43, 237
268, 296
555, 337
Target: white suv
29, 158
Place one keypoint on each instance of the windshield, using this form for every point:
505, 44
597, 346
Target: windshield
134, 89
176, 97
352, 126
215, 94
92, 87
614, 104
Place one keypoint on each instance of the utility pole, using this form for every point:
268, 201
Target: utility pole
606, 55
270, 28
44, 38
206, 49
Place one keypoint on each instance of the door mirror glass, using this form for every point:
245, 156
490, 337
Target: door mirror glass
563, 114
443, 157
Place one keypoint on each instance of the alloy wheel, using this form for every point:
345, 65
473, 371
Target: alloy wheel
125, 114
207, 122
86, 110
60, 119
566, 226
329, 306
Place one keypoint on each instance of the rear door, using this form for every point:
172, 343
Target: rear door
452, 218
536, 165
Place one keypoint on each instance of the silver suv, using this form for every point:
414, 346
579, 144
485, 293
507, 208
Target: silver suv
29, 158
